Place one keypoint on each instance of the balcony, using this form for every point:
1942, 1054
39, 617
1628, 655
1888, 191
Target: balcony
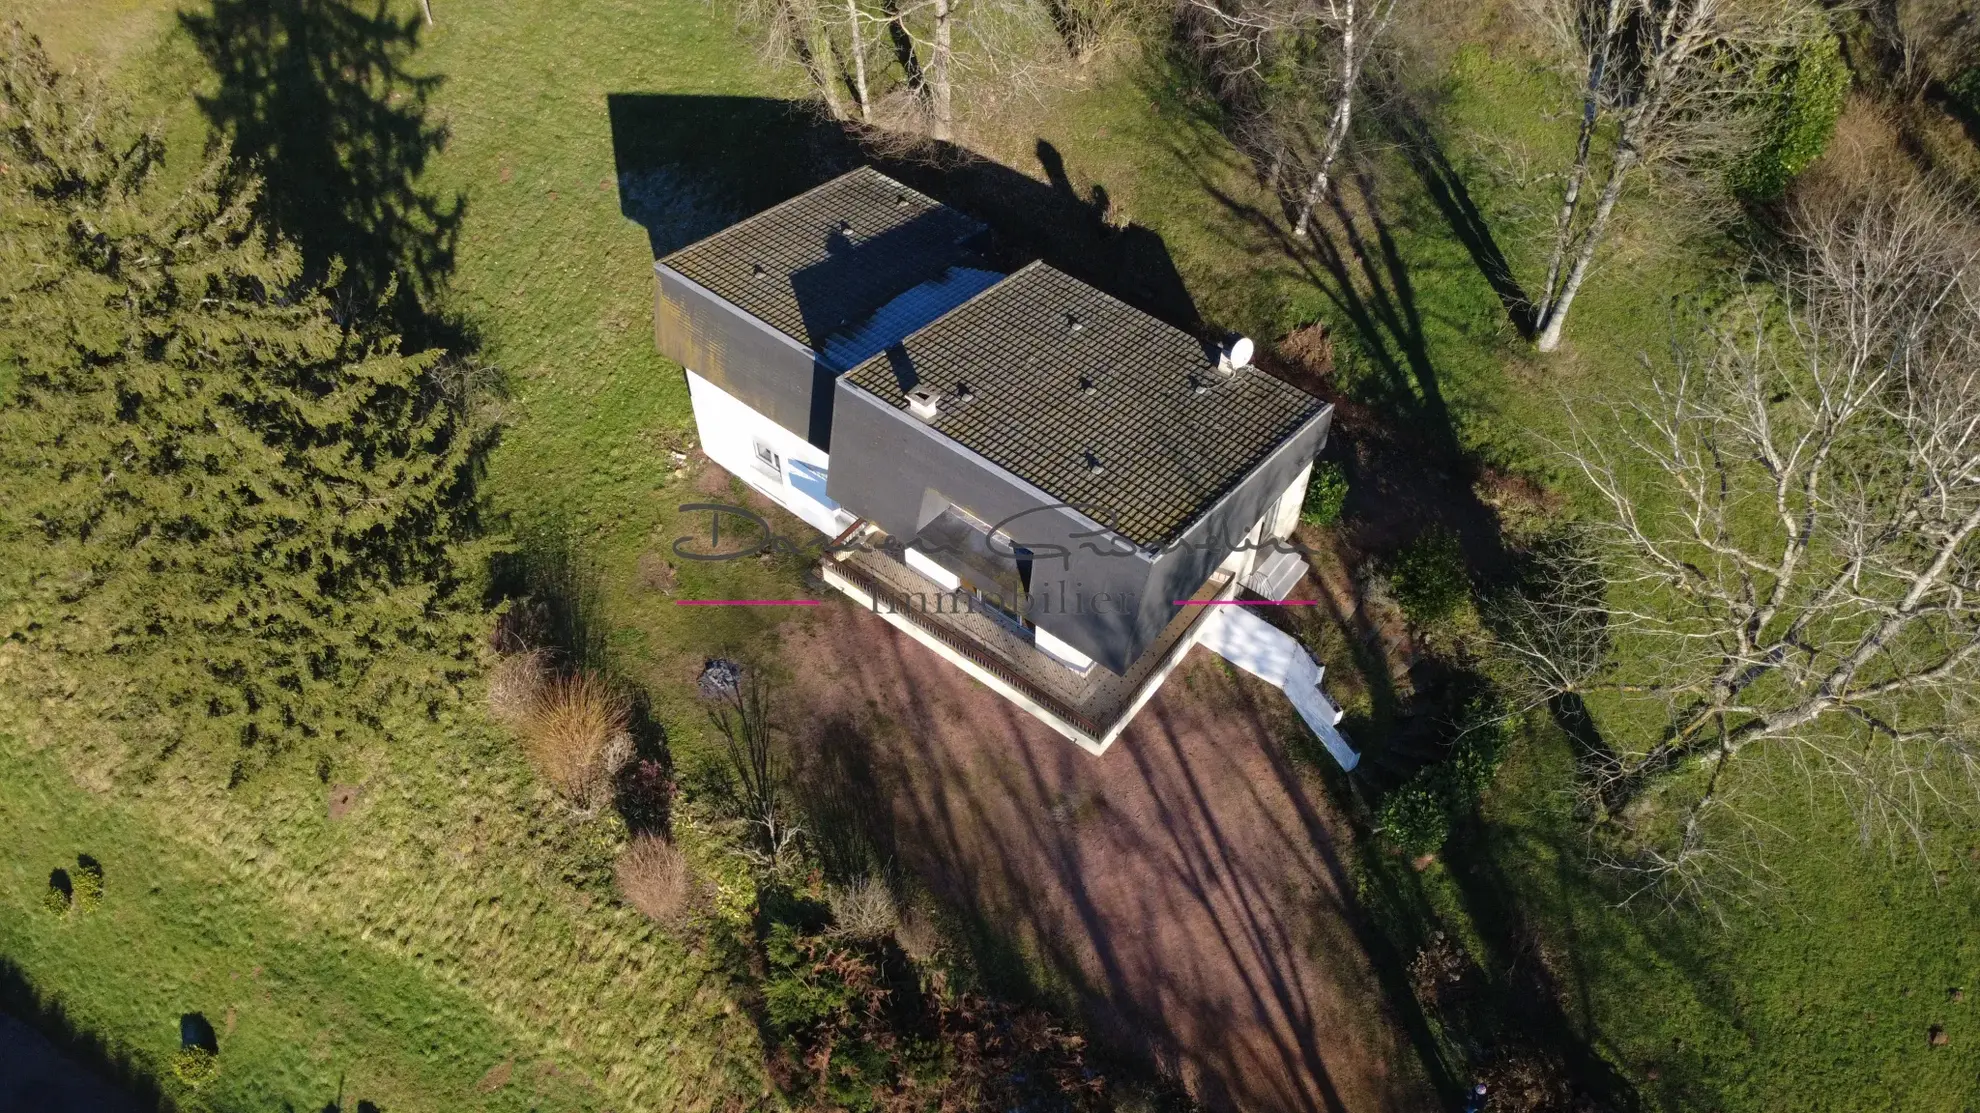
1091, 709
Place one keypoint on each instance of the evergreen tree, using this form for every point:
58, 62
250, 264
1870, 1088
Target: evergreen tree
254, 516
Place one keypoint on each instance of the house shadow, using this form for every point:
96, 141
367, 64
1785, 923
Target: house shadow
687, 166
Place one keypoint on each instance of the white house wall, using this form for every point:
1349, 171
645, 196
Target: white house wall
730, 432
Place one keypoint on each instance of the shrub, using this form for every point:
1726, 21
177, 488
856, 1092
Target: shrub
1964, 91
1429, 579
1326, 493
864, 910
646, 796
87, 883
1477, 751
1413, 817
577, 735
60, 895
654, 877
195, 1066
516, 687
1807, 91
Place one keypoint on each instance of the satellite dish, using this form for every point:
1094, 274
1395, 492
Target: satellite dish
1241, 352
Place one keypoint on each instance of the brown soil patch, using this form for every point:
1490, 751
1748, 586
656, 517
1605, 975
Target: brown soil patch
343, 798
497, 1077
1187, 886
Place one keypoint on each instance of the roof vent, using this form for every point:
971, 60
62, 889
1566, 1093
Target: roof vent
924, 403
1094, 466
1238, 355
963, 393
1088, 387
1073, 323
846, 226
900, 200
757, 270
1198, 386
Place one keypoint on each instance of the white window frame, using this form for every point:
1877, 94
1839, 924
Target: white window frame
766, 458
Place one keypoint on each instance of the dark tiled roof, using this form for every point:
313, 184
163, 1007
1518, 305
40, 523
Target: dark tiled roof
828, 258
1092, 401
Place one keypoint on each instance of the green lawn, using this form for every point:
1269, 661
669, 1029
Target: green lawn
456, 921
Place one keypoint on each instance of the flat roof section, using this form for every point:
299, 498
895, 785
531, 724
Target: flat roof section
1092, 401
830, 257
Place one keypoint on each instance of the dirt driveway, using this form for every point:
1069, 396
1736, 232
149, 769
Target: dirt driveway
1185, 886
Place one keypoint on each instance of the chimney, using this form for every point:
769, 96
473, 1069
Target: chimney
924, 403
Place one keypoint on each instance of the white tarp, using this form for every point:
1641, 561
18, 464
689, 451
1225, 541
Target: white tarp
1264, 651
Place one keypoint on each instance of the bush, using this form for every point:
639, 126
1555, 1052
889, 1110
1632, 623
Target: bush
1429, 578
1964, 92
87, 884
1476, 753
577, 735
864, 910
195, 1066
654, 877
516, 687
646, 796
1326, 493
1807, 91
1414, 819
60, 895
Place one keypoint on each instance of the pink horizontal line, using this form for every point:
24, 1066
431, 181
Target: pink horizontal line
746, 602
1245, 603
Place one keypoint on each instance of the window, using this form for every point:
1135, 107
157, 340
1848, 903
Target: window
768, 460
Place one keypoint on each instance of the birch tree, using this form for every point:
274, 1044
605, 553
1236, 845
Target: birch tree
1665, 85
1269, 53
1788, 563
936, 46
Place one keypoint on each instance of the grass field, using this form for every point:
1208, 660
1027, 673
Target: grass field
451, 941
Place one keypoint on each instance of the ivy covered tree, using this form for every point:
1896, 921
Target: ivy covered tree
246, 512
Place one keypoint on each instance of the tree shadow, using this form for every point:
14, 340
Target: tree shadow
690, 165
317, 99
1446, 189
110, 1081
1146, 889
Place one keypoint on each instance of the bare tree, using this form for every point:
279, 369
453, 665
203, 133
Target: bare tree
854, 17
1790, 546
801, 32
985, 47
1268, 52
750, 740
1665, 84
937, 45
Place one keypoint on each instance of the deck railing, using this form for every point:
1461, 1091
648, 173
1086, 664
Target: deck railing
966, 647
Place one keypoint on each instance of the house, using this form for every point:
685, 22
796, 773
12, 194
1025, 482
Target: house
1046, 486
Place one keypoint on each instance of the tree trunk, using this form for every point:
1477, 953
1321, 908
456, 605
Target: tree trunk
859, 61
941, 93
1591, 100
426, 9
1337, 128
1556, 316
1316, 191
814, 50
903, 46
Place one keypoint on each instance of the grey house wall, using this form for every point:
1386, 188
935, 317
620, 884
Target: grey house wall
771, 373
891, 469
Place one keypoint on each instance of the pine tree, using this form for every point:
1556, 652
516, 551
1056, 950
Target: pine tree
254, 516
